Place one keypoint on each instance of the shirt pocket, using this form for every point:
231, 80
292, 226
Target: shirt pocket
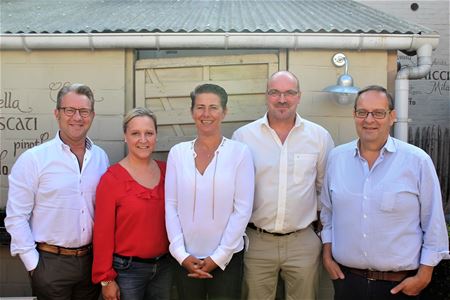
387, 201
304, 167
400, 197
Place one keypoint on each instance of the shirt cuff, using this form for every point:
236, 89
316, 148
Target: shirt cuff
325, 235
221, 258
432, 258
30, 259
179, 254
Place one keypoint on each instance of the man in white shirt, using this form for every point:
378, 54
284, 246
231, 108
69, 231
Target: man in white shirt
50, 207
289, 155
384, 227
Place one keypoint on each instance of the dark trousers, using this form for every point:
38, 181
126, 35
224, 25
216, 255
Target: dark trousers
226, 284
60, 277
138, 280
360, 288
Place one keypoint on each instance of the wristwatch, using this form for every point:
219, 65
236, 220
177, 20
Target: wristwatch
105, 283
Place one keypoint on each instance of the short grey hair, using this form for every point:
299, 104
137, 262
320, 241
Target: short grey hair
78, 88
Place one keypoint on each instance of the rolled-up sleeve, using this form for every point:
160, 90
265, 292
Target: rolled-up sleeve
435, 238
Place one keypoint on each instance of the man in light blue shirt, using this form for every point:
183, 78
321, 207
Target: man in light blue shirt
384, 227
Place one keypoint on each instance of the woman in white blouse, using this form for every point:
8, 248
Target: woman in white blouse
209, 198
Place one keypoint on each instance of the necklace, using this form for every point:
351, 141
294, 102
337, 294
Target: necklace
216, 152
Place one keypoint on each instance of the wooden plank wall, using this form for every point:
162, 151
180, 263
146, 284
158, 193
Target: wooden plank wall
164, 86
435, 140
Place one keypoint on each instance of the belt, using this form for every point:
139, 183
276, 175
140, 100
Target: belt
252, 226
380, 275
81, 251
143, 260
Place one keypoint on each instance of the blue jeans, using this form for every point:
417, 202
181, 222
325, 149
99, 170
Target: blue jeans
139, 280
225, 284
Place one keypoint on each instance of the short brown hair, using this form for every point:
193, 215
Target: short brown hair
376, 88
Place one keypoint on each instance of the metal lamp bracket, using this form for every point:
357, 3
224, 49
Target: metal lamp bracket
339, 59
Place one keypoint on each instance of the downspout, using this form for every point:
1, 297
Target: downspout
424, 62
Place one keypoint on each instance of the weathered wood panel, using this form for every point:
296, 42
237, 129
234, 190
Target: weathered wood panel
164, 85
436, 142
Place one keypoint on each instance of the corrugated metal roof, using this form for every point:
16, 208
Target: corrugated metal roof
101, 16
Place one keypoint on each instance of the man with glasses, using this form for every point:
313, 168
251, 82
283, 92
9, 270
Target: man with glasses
50, 205
384, 227
289, 155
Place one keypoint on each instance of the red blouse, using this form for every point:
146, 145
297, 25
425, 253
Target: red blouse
129, 220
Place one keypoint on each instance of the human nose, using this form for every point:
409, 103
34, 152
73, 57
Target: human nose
206, 112
282, 97
142, 137
77, 115
369, 116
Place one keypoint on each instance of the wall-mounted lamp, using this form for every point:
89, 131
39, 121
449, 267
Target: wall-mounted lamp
344, 89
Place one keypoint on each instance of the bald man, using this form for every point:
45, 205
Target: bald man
289, 154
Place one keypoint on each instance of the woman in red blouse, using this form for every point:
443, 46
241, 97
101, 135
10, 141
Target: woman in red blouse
131, 259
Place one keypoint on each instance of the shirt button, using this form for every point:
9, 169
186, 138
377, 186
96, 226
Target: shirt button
364, 235
365, 253
365, 216
83, 229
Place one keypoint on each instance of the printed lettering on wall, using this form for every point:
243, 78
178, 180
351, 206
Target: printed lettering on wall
16, 121
429, 96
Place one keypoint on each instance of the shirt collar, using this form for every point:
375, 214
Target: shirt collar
88, 142
264, 121
389, 146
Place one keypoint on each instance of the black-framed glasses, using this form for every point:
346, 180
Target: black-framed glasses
376, 114
277, 94
70, 111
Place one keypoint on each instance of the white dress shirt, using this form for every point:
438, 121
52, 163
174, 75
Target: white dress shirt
288, 175
206, 215
50, 200
388, 218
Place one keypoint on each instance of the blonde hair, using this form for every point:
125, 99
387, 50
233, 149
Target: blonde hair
138, 112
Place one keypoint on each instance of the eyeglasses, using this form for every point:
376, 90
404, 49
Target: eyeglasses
376, 114
70, 111
277, 94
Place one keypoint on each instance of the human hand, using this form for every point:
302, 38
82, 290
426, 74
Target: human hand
330, 264
208, 265
194, 266
412, 286
111, 291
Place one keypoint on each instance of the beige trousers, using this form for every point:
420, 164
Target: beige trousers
296, 257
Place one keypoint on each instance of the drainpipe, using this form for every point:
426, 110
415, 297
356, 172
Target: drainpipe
424, 62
